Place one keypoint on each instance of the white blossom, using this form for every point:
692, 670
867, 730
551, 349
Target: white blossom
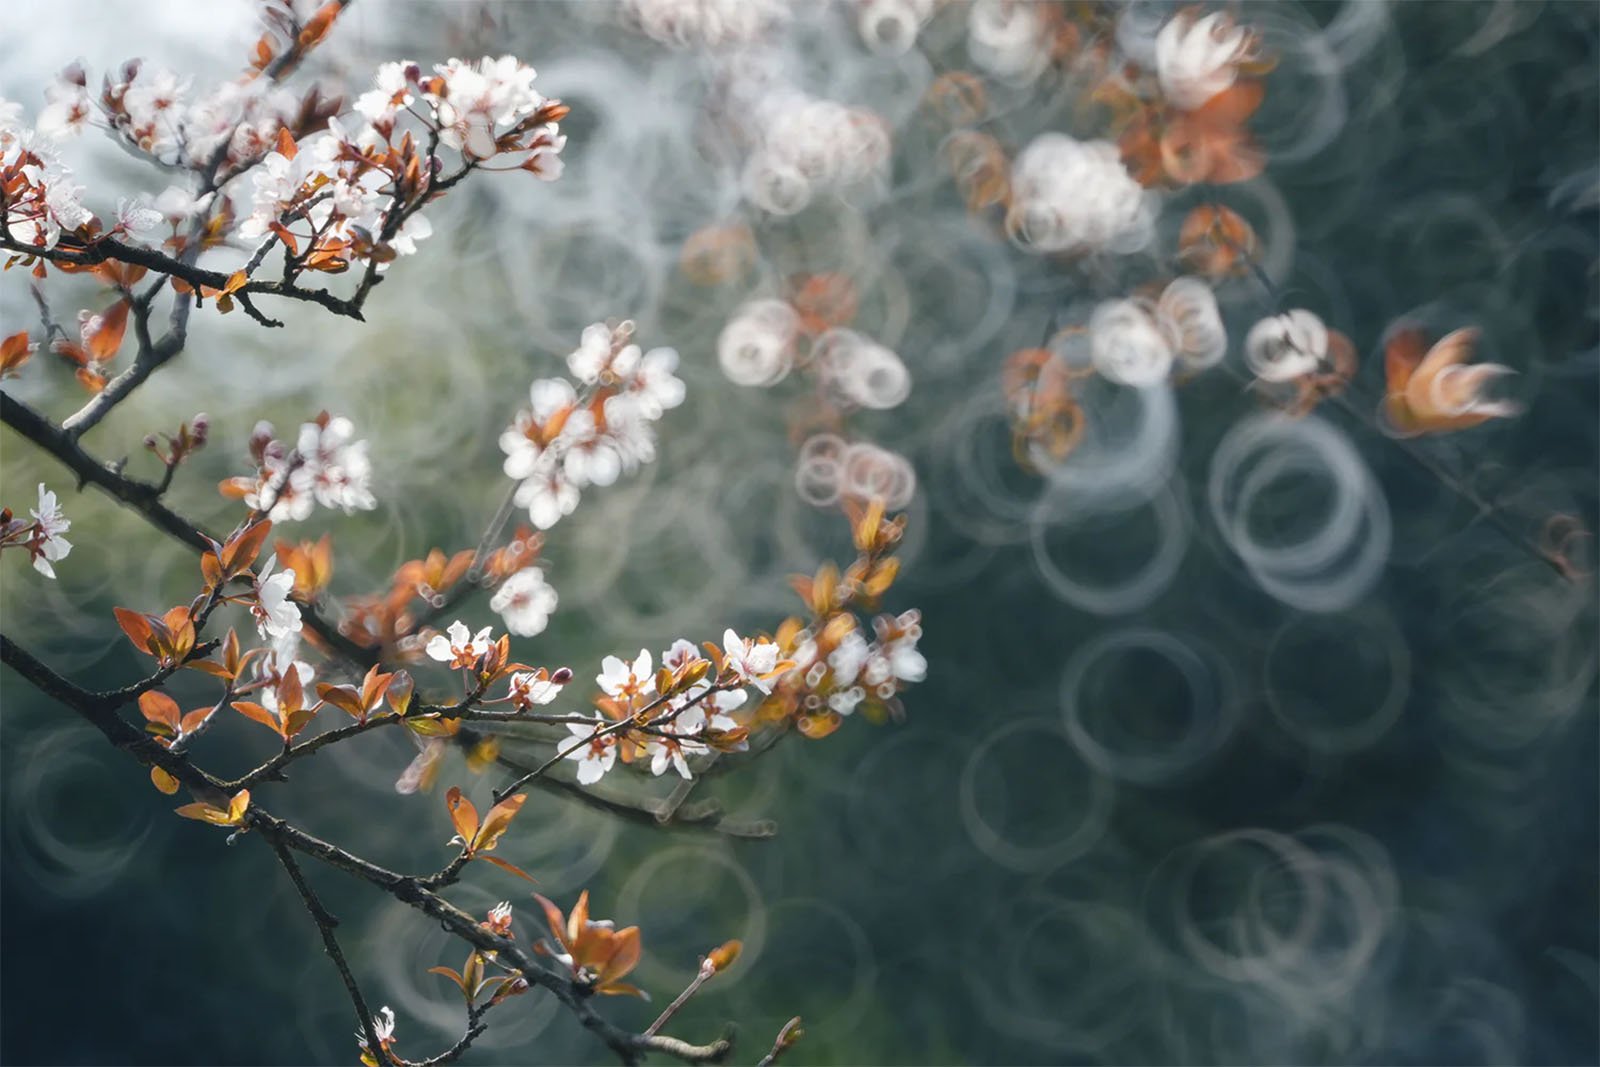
1187, 313
525, 601
458, 649
1283, 347
276, 614
48, 545
1076, 196
1127, 345
548, 497
528, 689
750, 659
624, 681
336, 466
597, 757
1196, 59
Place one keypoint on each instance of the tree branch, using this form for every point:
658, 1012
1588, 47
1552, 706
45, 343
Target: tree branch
145, 498
325, 923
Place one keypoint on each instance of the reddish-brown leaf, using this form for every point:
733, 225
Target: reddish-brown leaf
136, 626
160, 708
241, 551
251, 710
105, 341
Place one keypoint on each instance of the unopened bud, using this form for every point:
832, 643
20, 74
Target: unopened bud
561, 675
723, 956
150, 442
260, 440
200, 428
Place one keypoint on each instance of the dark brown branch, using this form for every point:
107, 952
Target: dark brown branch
145, 498
100, 711
325, 923
455, 1051
629, 1047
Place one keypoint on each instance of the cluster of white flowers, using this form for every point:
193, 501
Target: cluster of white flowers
830, 468
707, 23
567, 440
1008, 39
482, 110
42, 537
1197, 58
1076, 196
1281, 348
41, 198
679, 727
152, 107
525, 602
1137, 342
806, 146
325, 467
857, 668
473, 106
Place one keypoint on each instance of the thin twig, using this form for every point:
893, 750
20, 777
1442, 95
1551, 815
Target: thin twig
325, 923
782, 1043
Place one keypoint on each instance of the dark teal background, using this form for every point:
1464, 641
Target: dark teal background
1436, 900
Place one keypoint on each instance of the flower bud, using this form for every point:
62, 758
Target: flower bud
724, 955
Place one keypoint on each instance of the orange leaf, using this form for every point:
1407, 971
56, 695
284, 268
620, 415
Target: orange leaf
242, 550
236, 488
211, 570
399, 692
1232, 106
621, 989
450, 973
624, 956
509, 867
498, 821
298, 720
216, 670
136, 626
163, 781
463, 814
317, 27
108, 338
286, 146
556, 921
202, 812
343, 697
251, 710
160, 708
14, 352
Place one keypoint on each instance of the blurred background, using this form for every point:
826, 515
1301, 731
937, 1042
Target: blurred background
1155, 803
